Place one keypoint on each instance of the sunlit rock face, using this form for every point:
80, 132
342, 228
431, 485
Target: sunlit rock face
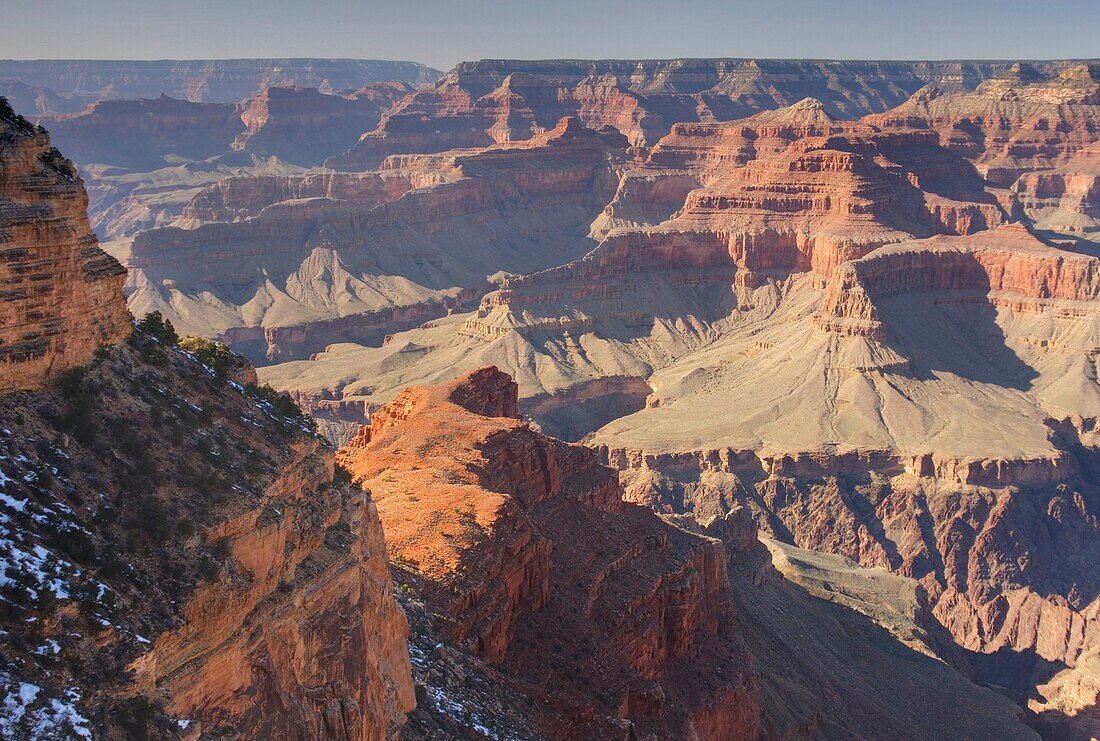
60, 295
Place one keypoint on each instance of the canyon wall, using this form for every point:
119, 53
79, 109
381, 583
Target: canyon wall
1023, 119
478, 103
413, 240
204, 81
60, 295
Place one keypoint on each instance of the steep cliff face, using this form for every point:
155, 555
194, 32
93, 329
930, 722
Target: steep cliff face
1020, 121
599, 608
60, 295
478, 103
177, 556
199, 540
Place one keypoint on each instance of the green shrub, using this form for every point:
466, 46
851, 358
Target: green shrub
155, 325
210, 353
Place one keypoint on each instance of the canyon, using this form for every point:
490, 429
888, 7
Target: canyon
662, 399
86, 81
860, 332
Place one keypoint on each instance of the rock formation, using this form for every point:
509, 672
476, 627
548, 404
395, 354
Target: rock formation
478, 103
618, 623
301, 256
144, 134
773, 195
524, 544
850, 332
1062, 202
60, 295
145, 159
304, 127
1010, 124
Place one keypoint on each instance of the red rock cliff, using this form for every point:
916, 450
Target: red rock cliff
60, 295
524, 542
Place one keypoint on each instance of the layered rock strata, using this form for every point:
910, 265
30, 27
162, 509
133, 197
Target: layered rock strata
60, 295
424, 234
1016, 122
478, 103
177, 556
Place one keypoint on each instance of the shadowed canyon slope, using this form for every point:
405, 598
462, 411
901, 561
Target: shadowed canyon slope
292, 264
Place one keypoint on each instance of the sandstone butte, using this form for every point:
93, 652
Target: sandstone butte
176, 556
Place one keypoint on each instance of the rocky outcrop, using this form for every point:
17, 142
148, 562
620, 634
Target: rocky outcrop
524, 544
300, 126
60, 295
478, 103
328, 657
184, 549
244, 586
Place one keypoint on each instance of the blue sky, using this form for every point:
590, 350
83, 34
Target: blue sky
442, 33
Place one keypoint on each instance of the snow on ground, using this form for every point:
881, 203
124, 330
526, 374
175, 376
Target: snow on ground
29, 712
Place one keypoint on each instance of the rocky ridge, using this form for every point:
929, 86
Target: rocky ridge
493, 517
